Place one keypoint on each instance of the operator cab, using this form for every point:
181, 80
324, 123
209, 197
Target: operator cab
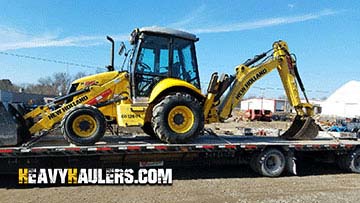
162, 53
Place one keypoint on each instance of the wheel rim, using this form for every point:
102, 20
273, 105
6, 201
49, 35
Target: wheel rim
181, 119
84, 125
273, 163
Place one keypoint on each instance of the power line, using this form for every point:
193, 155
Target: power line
97, 67
274, 88
49, 60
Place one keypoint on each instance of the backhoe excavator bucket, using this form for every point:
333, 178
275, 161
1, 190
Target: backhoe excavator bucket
302, 128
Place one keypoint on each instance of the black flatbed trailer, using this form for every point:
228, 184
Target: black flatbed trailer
269, 156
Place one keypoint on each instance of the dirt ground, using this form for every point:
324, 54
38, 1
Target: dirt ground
315, 183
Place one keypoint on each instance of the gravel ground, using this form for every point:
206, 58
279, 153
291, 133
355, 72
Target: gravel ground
205, 184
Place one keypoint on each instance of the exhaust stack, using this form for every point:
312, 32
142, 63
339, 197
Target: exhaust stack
111, 66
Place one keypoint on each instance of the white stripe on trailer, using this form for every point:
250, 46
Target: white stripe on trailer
60, 149
25, 150
92, 149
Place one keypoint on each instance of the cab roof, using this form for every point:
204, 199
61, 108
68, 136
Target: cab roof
169, 31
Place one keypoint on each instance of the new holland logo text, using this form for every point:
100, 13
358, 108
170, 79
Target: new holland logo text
94, 176
67, 107
250, 82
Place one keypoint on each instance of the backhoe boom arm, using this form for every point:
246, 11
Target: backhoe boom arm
246, 75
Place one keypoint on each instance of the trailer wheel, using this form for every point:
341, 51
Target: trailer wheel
83, 125
177, 118
270, 162
350, 162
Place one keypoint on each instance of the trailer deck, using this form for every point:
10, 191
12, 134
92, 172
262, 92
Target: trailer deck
141, 151
56, 143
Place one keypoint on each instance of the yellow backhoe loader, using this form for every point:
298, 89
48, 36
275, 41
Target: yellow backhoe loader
159, 92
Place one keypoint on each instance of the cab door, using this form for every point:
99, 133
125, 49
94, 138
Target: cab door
151, 66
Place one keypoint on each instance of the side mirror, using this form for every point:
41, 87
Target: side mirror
122, 48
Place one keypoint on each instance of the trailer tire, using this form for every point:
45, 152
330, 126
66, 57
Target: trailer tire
177, 118
270, 162
83, 125
350, 162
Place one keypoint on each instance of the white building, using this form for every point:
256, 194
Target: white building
274, 105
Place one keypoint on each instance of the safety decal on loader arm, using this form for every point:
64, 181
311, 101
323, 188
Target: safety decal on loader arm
101, 96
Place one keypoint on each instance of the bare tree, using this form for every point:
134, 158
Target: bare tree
57, 84
62, 81
79, 75
6, 84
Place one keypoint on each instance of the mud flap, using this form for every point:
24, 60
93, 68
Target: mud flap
302, 128
8, 128
290, 163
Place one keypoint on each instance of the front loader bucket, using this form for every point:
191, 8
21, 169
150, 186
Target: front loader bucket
302, 128
8, 128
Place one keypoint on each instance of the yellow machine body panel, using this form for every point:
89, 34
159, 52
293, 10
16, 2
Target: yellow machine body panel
99, 79
130, 115
120, 86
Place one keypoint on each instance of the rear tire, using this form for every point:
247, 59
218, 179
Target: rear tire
270, 162
178, 118
83, 125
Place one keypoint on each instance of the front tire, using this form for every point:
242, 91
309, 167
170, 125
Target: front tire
83, 125
178, 118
